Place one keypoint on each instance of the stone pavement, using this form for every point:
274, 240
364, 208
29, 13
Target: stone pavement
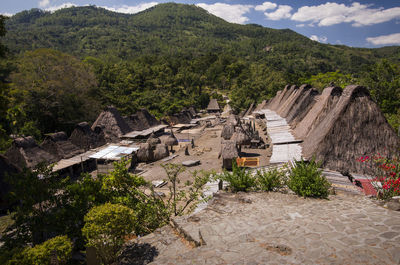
276, 228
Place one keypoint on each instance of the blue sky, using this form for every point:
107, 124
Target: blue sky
353, 23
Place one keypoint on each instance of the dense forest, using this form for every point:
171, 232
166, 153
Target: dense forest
63, 67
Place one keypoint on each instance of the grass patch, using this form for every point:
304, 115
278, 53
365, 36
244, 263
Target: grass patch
5, 221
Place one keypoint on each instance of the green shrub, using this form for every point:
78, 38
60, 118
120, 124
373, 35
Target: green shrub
239, 179
271, 180
42, 254
306, 180
106, 227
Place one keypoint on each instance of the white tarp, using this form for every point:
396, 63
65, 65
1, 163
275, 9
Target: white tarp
114, 152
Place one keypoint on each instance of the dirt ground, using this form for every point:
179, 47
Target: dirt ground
207, 147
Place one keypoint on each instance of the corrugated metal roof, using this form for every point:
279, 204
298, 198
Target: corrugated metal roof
114, 152
146, 132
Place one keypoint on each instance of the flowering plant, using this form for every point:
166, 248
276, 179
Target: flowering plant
387, 174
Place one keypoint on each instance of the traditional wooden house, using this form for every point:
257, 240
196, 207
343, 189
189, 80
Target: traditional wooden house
112, 124
86, 138
60, 146
25, 152
213, 106
229, 153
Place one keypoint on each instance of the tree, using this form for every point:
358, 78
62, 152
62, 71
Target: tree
35, 194
54, 90
323, 80
4, 89
59, 248
182, 199
383, 79
106, 227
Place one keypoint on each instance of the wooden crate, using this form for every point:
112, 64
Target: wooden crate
248, 161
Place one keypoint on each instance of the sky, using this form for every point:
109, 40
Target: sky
353, 23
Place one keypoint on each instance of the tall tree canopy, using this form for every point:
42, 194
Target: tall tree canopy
54, 90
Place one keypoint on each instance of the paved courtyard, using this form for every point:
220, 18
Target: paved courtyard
276, 228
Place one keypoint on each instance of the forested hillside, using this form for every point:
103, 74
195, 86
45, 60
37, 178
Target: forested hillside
163, 59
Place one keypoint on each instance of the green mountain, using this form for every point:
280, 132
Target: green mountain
177, 29
165, 58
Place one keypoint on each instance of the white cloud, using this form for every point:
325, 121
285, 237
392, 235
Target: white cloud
282, 12
266, 6
322, 39
131, 9
300, 25
121, 9
231, 13
393, 39
44, 3
64, 5
7, 14
333, 13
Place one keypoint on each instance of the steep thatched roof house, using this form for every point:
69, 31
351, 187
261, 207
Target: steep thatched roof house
171, 140
336, 127
112, 123
141, 120
229, 153
227, 131
145, 153
213, 106
86, 138
153, 140
160, 152
25, 152
59, 146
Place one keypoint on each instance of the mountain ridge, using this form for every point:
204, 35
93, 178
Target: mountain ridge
182, 29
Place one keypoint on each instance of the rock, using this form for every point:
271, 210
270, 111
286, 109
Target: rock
159, 183
393, 205
159, 194
186, 151
191, 163
396, 198
244, 200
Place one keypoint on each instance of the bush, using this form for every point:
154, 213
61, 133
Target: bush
239, 179
387, 174
306, 180
106, 227
42, 254
271, 180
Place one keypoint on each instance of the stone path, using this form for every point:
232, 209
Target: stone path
285, 147
276, 228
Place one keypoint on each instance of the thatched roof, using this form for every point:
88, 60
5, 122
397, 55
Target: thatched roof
229, 150
184, 116
112, 123
153, 140
233, 119
171, 140
59, 146
240, 137
161, 152
250, 109
213, 105
337, 127
141, 120
145, 153
319, 110
86, 138
227, 131
192, 111
25, 152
